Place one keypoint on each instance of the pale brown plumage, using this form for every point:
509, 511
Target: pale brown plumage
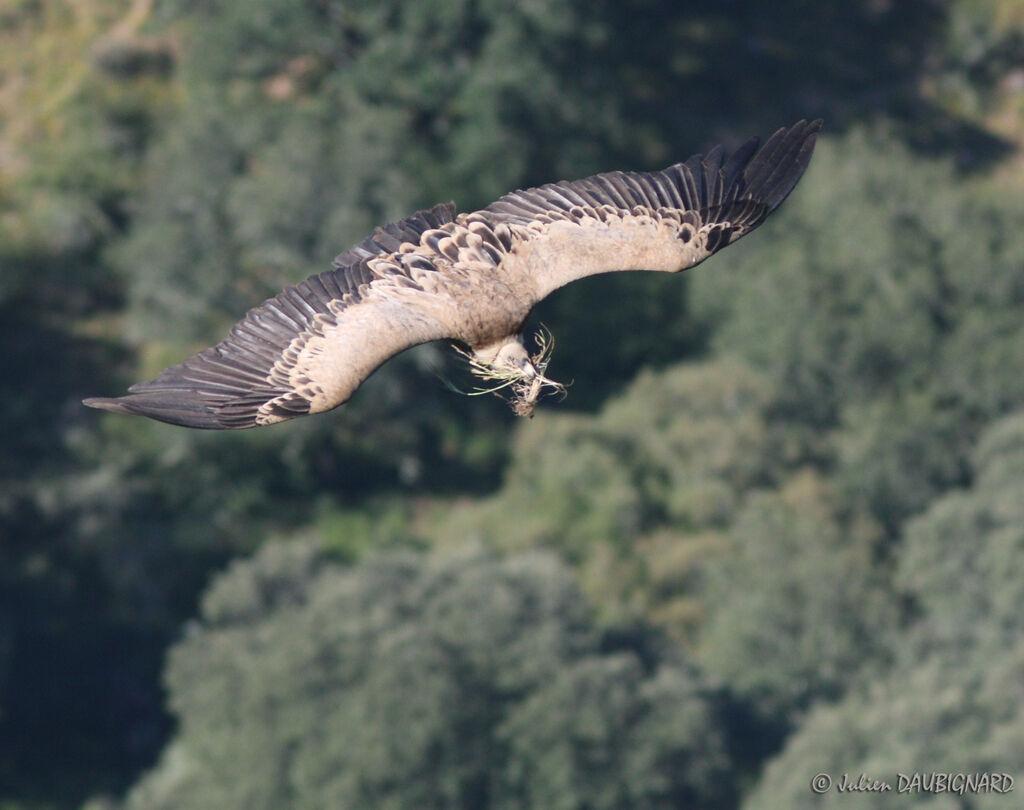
468, 278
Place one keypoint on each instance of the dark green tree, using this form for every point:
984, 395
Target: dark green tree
877, 316
799, 609
952, 699
271, 134
640, 495
71, 146
461, 681
692, 500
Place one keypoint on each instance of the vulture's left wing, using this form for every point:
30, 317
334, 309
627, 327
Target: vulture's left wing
307, 349
667, 220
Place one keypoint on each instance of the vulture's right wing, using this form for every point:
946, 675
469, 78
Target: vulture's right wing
307, 349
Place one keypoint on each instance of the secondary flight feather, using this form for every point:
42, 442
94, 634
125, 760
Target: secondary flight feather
471, 279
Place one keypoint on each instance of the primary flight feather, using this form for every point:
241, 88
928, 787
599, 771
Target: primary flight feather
471, 279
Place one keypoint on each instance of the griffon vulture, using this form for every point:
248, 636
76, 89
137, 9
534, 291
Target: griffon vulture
471, 279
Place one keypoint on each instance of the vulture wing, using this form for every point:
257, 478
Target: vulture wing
668, 220
307, 349
472, 279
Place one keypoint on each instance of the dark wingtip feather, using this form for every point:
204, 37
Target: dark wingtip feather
172, 407
112, 405
774, 171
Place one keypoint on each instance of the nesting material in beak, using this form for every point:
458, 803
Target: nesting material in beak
521, 374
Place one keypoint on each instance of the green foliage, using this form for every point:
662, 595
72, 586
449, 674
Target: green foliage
606, 734
687, 500
639, 494
73, 714
800, 607
459, 681
984, 43
891, 309
942, 713
637, 465
962, 559
164, 166
952, 700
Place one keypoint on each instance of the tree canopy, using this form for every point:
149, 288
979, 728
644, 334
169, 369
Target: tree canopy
776, 514
951, 700
463, 681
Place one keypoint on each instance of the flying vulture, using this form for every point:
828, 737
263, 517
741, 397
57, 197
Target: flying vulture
470, 279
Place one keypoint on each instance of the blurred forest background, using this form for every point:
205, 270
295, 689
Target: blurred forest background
777, 527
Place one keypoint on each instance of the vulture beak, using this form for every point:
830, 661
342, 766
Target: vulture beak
527, 368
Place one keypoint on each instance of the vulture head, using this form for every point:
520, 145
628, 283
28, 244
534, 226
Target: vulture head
505, 356
506, 364
471, 279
